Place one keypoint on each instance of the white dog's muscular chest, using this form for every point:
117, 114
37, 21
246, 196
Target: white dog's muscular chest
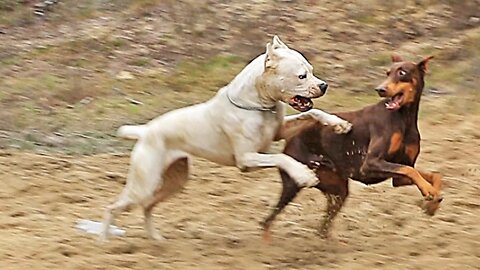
269, 130
258, 129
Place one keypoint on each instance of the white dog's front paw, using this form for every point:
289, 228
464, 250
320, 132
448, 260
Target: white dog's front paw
306, 177
343, 127
340, 126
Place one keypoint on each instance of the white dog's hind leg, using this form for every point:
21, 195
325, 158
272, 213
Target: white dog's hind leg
152, 233
120, 205
174, 178
298, 171
144, 177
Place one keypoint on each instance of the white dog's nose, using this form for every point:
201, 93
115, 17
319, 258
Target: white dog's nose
323, 87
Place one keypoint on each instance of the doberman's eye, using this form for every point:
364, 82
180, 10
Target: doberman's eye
302, 76
402, 72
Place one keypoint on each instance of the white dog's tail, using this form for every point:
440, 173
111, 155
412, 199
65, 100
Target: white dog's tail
131, 132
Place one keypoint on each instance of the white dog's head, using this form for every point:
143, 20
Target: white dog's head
288, 77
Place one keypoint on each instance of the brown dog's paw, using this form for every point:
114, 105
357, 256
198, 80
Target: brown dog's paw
431, 204
323, 234
267, 236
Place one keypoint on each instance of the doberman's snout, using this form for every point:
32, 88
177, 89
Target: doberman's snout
382, 91
323, 87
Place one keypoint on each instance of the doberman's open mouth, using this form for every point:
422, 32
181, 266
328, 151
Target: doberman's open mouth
300, 103
394, 102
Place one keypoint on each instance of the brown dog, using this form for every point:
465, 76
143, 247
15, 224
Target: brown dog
383, 143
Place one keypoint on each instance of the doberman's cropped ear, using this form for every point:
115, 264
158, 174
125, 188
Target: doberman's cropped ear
423, 65
396, 58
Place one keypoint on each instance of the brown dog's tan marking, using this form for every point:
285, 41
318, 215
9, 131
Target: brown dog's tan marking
426, 188
396, 142
412, 151
407, 90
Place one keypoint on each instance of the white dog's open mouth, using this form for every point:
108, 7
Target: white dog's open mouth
394, 102
300, 103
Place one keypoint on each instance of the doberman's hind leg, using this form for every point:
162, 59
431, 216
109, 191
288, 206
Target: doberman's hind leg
334, 204
435, 179
336, 192
289, 191
174, 178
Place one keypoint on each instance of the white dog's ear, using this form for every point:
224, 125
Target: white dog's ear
270, 56
277, 43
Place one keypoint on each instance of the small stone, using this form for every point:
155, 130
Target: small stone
143, 51
134, 101
86, 100
40, 5
474, 19
125, 75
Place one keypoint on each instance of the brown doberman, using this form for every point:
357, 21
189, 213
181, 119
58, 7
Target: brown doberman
383, 143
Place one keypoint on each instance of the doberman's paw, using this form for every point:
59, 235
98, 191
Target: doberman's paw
267, 236
429, 197
429, 192
432, 205
323, 233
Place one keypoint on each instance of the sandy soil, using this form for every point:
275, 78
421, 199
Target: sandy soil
213, 223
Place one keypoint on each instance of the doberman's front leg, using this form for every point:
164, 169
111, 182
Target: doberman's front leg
381, 168
435, 179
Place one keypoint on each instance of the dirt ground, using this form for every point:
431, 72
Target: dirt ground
213, 223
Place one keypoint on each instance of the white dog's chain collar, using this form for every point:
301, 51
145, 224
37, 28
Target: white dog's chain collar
251, 108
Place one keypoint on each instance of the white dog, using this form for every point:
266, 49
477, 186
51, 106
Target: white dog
233, 128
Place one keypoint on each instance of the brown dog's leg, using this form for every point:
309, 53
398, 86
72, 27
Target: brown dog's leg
435, 179
335, 189
289, 191
375, 167
334, 204
401, 181
174, 179
430, 207
423, 185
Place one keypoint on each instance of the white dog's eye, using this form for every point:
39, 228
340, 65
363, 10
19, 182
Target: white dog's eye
402, 72
302, 76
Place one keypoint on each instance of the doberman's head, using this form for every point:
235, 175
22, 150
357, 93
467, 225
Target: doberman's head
404, 83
